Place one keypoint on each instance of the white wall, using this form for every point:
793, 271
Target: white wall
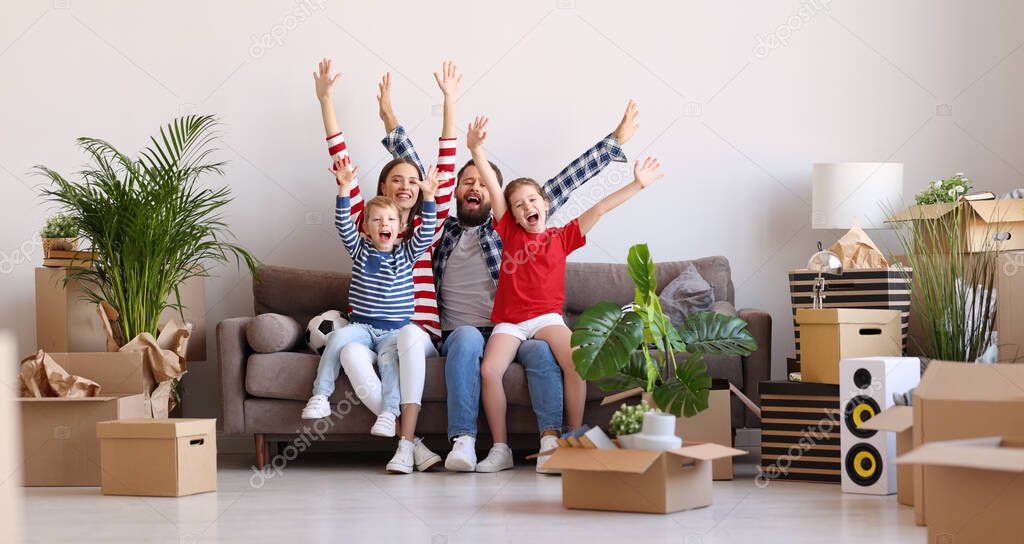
736, 127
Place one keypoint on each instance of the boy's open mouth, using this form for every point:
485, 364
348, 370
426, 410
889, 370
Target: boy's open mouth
384, 235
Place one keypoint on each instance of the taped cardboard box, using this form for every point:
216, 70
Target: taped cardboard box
900, 420
66, 320
963, 400
623, 480
975, 489
59, 445
832, 334
158, 457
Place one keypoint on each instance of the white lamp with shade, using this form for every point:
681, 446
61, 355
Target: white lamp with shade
844, 194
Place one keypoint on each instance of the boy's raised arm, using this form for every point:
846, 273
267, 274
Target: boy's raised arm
346, 178
336, 147
643, 176
423, 235
477, 134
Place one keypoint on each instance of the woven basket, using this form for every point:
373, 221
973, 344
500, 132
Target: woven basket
66, 244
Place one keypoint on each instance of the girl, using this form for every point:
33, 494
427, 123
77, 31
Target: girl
531, 285
398, 180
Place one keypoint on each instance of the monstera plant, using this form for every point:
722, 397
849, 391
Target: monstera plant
636, 346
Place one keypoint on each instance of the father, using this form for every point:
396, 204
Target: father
466, 265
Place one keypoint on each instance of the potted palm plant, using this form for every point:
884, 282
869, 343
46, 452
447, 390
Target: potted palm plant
636, 346
150, 221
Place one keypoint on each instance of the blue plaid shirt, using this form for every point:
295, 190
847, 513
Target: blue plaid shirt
558, 189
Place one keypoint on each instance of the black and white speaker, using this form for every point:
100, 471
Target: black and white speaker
866, 388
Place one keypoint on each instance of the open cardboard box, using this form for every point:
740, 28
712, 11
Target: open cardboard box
975, 489
66, 321
59, 445
638, 480
963, 400
900, 420
1002, 219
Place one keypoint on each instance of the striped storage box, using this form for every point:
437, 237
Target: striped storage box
800, 425
867, 288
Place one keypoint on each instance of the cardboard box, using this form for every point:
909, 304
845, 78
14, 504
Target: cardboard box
1001, 220
832, 334
963, 400
800, 427
713, 425
66, 321
59, 445
865, 288
638, 480
975, 489
1010, 305
900, 420
158, 457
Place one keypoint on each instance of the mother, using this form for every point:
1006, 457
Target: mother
414, 342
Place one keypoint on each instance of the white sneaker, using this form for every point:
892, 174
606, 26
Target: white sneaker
317, 407
462, 458
422, 457
402, 462
498, 459
547, 442
384, 426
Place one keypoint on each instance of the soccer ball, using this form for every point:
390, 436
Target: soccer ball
322, 325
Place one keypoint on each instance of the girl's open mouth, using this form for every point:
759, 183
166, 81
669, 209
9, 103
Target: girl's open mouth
532, 219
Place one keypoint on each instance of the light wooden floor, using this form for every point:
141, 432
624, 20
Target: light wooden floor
327, 499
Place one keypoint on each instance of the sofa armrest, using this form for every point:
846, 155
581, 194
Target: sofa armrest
757, 367
232, 353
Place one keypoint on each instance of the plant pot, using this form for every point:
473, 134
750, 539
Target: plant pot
64, 244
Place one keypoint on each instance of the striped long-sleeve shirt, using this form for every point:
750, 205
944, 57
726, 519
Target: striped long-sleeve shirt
425, 312
381, 291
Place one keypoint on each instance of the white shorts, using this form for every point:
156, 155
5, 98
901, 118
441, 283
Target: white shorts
528, 329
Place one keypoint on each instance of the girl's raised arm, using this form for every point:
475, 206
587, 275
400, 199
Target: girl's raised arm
643, 176
477, 134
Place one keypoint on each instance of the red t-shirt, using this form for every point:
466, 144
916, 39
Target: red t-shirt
531, 282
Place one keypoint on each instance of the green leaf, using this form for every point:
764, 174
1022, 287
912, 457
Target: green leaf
686, 394
629, 376
606, 337
641, 270
716, 334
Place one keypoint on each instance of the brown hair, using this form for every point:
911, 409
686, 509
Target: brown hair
417, 207
380, 202
523, 182
497, 171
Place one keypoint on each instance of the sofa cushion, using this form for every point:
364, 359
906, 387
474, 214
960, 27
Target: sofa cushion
270, 333
689, 292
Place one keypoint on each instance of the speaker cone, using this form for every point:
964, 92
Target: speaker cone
863, 464
860, 409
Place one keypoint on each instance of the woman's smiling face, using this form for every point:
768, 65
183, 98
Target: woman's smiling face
400, 184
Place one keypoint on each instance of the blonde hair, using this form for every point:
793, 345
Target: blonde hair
381, 202
523, 182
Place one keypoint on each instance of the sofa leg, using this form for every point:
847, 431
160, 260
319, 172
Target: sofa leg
261, 452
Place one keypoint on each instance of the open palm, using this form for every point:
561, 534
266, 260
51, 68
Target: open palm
647, 173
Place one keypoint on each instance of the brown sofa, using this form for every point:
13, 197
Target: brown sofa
262, 394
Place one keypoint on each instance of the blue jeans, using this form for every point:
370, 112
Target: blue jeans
384, 342
464, 350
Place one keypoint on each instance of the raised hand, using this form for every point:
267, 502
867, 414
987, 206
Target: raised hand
428, 185
387, 113
449, 80
628, 125
647, 173
344, 173
323, 79
477, 132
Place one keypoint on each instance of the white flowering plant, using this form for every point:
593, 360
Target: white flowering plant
944, 190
